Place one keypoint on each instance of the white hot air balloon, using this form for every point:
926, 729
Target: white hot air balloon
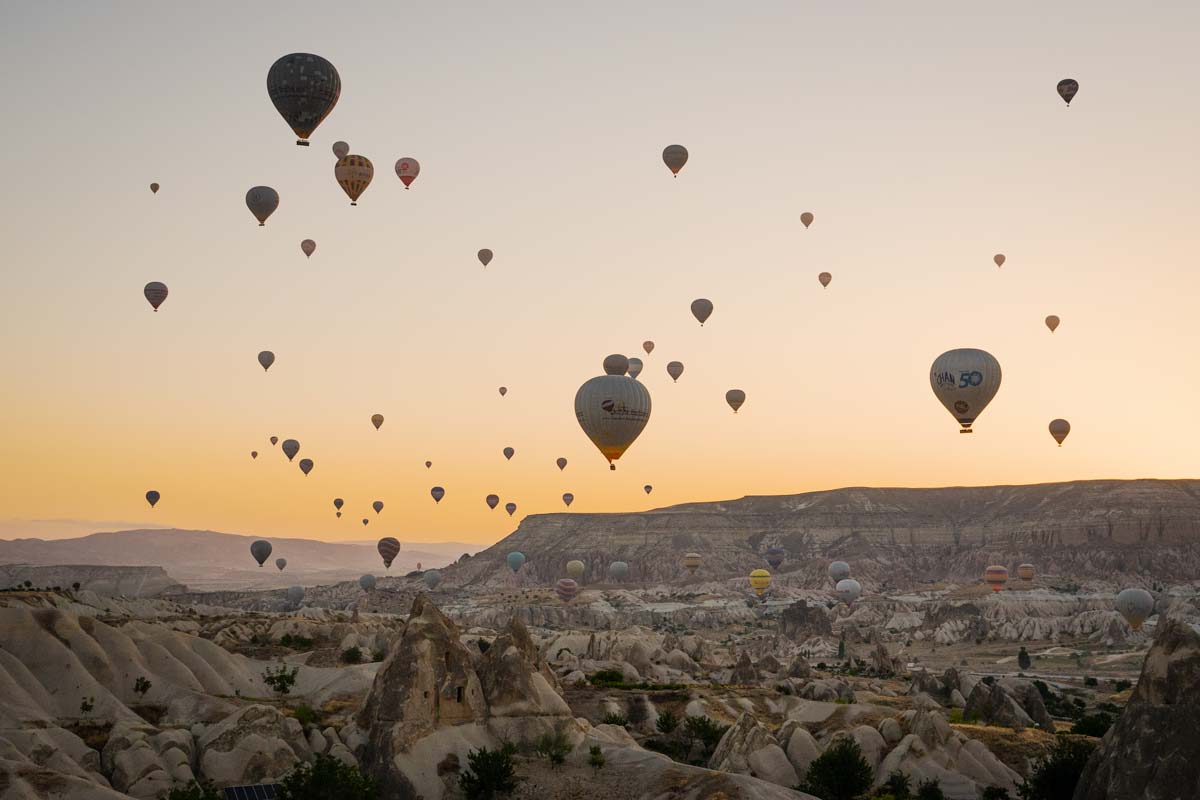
407, 170
965, 381
848, 590
613, 409
1135, 605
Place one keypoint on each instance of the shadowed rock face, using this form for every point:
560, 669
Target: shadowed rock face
1153, 750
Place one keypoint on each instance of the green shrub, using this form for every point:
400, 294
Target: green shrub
352, 655
86, 705
898, 785
704, 730
378, 655
989, 679
607, 677
194, 791
305, 715
326, 777
613, 718
1092, 725
489, 774
1023, 659
596, 757
840, 773
554, 746
994, 793
296, 642
1090, 681
929, 790
667, 722
1122, 685
141, 686
282, 679
1056, 775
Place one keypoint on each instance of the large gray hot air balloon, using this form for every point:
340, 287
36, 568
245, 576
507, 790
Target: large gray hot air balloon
648, 346
702, 309
155, 293
432, 578
635, 367
261, 550
484, 256
377, 505
306, 465
561, 462
152, 497
847, 590
354, 174
839, 571
612, 409
735, 398
509, 453
618, 570
568, 498
1067, 89
511, 508
965, 381
1135, 605
262, 202
566, 589
295, 595
265, 359
492, 501
290, 447
308, 247
437, 493
675, 156
675, 369
367, 583
407, 170
304, 89
389, 548
1059, 429
280, 563
515, 560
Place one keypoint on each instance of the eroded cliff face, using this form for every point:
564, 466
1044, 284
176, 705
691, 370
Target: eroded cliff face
132, 581
895, 537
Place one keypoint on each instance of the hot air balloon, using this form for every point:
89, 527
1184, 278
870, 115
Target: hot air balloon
280, 563
999, 259
367, 582
389, 548
377, 420
407, 170
437, 493
492, 501
675, 369
847, 590
261, 550
254, 454
647, 488
339, 515
154, 188
306, 465
428, 464
152, 497
432, 578
155, 293
575, 568
503, 391
775, 556
561, 462
702, 309
996, 576
1059, 429
262, 202
1135, 605
338, 503
290, 448
566, 589
735, 398
568, 498
308, 247
760, 579
515, 560
692, 562
675, 156
648, 346
839, 571
1067, 89
266, 358
1052, 323
1026, 572
612, 409
295, 595
484, 256
274, 440
618, 570
353, 174
365, 521
304, 89
965, 381
340, 149
635, 367
511, 508
825, 278
377, 505
509, 453
806, 219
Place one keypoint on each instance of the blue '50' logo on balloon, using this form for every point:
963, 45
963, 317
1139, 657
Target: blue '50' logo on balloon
967, 379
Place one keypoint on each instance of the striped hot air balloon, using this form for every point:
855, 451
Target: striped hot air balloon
1026, 572
996, 576
389, 548
566, 589
760, 579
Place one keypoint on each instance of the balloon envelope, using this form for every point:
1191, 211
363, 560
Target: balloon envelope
575, 568
290, 448
437, 493
692, 561
775, 556
308, 247
1059, 429
568, 498
274, 440
648, 346
825, 278
1052, 323
735, 398
612, 409
561, 462
377, 505
261, 550
839, 571
999, 259
760, 579
647, 488
509, 453
635, 367
377, 420
155, 293
675, 369
1067, 89
304, 89
280, 563
503, 390
338, 502
511, 508
847, 590
154, 188
306, 465
618, 570
702, 309
254, 454
353, 174
675, 156
965, 381
389, 548
407, 170
340, 149
1135, 605
295, 594
1026, 572
484, 256
566, 589
492, 500
996, 576
806, 218
432, 578
152, 497
265, 359
262, 202
515, 560
367, 582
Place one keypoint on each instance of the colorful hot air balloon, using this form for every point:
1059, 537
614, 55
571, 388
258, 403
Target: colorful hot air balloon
377, 420
1135, 605
340, 149
1067, 89
353, 174
389, 548
825, 278
515, 560
999, 259
484, 256
511, 508
367, 583
407, 170
304, 89
492, 501
261, 550
735, 398
675, 369
996, 576
561, 462
566, 589
154, 188
274, 440
612, 409
290, 448
1059, 429
308, 247
509, 453
280, 563
648, 346
675, 156
262, 202
839, 571
806, 219
295, 595
338, 503
437, 493
568, 498
692, 562
377, 505
635, 367
760, 579
1052, 323
503, 390
847, 590
265, 359
618, 570
254, 454
702, 309
155, 293
775, 556
306, 465
647, 488
152, 497
432, 578
575, 568
1026, 572
965, 381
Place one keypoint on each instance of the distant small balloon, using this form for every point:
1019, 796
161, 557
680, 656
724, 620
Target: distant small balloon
567, 499
635, 367
365, 520
155, 293
675, 156
561, 462
503, 391
692, 562
735, 398
839, 571
515, 560
575, 568
760, 580
437, 493
306, 465
702, 309
775, 557
432, 578
511, 508
806, 218
377, 505
566, 589
1052, 323
675, 369
341, 149
407, 170
999, 259
647, 488
492, 501
254, 454
1059, 429
274, 440
1026, 572
295, 594
354, 174
152, 497
266, 358
618, 570
154, 188
1067, 89
485, 256
280, 563
290, 448
996, 576
428, 464
648, 346
261, 550
367, 583
377, 420
262, 202
509, 453
338, 503
825, 278
848, 590
1135, 605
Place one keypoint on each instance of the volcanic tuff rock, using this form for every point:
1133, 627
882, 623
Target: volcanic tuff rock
1153, 750
115, 580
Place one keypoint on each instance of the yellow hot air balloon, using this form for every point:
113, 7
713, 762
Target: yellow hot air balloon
760, 579
692, 562
575, 569
354, 174
613, 409
1025, 572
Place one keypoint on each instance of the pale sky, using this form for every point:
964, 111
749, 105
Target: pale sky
924, 137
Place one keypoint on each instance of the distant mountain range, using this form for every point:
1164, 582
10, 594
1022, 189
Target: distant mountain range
208, 560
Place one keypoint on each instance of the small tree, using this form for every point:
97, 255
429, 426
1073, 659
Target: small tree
667, 722
1055, 775
86, 705
898, 785
554, 746
930, 790
141, 686
305, 715
840, 773
994, 793
282, 679
1023, 659
75, 586
28, 584
352, 655
326, 777
195, 791
596, 757
1093, 724
613, 718
489, 774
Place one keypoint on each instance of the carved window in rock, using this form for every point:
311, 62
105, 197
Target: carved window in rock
458, 694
